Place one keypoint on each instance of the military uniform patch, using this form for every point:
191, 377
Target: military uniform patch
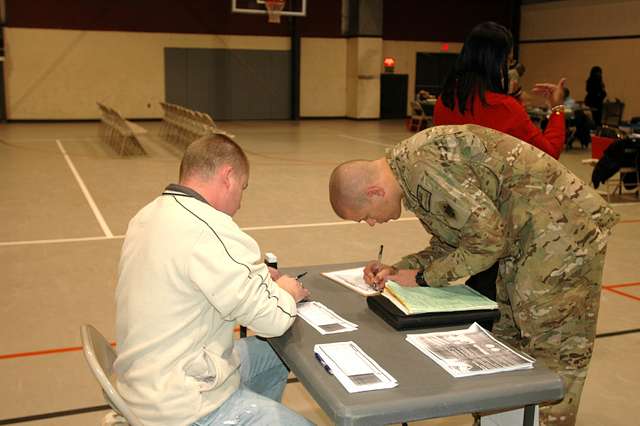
424, 198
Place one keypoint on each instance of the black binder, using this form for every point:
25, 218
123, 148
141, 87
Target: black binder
401, 321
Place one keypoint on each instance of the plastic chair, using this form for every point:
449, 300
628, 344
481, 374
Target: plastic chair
100, 357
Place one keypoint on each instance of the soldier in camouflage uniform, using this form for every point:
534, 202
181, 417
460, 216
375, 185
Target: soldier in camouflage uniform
485, 196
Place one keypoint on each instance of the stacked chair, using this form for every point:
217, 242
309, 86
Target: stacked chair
181, 125
419, 120
120, 134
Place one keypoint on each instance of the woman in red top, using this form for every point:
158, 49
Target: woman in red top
476, 92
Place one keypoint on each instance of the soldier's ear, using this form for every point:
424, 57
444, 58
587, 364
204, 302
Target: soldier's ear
375, 191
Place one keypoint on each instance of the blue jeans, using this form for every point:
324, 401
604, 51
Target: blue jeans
257, 401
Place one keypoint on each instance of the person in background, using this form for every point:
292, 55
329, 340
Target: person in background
187, 276
569, 102
595, 94
487, 197
516, 71
477, 92
423, 98
578, 119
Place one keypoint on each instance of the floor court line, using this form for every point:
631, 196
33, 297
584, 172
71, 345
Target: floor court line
54, 351
58, 240
622, 293
370, 142
54, 414
609, 286
246, 228
85, 191
313, 225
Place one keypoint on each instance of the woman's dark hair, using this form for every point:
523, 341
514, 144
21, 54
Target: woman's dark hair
481, 66
596, 72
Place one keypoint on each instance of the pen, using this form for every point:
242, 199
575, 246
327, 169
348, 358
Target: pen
378, 267
323, 364
301, 275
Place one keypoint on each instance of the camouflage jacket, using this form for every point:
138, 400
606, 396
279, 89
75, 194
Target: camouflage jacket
485, 195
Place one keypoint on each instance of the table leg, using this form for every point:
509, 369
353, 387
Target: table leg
529, 415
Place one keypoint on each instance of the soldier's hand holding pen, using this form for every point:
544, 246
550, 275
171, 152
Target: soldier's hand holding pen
376, 274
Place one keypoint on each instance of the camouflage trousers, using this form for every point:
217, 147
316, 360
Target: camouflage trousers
549, 305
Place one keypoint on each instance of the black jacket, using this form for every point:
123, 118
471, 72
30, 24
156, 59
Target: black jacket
621, 153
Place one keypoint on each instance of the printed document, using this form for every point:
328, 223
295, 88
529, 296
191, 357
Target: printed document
324, 319
469, 352
352, 279
353, 368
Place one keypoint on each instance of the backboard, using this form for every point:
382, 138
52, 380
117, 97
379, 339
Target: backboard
257, 7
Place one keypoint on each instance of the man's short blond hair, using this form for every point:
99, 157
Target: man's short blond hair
203, 157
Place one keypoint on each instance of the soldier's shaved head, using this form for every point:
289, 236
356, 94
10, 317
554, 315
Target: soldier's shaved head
348, 185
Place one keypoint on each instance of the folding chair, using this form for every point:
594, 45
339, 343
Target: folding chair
100, 357
612, 113
419, 120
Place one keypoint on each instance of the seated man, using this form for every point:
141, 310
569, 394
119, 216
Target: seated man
426, 101
188, 275
488, 197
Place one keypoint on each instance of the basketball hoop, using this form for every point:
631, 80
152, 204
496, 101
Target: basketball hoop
274, 8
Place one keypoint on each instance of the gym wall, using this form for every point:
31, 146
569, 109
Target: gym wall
65, 55
567, 38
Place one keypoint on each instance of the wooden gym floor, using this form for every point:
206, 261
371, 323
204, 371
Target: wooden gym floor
66, 202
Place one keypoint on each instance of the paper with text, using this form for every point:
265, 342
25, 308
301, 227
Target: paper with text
353, 368
324, 319
352, 279
469, 352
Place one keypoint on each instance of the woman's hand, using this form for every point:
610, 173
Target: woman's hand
553, 93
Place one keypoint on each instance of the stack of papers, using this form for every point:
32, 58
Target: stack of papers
420, 300
353, 279
353, 368
324, 319
469, 352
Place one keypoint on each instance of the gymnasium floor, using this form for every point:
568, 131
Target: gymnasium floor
66, 202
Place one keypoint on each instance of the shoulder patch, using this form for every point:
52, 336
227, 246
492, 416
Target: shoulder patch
424, 198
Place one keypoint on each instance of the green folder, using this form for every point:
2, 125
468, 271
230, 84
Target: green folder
421, 300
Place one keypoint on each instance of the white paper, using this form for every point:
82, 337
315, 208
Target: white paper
469, 352
324, 319
352, 279
353, 368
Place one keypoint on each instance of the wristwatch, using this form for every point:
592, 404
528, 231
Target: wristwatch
420, 279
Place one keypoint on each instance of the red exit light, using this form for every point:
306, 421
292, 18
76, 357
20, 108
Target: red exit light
389, 64
444, 47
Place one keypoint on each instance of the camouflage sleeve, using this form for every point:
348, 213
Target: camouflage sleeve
459, 207
435, 250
